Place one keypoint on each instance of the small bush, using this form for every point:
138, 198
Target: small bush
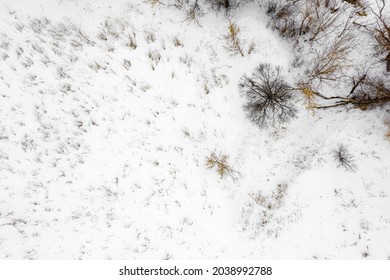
273, 201
222, 165
344, 158
235, 44
269, 97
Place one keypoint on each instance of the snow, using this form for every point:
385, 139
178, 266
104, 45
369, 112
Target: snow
105, 159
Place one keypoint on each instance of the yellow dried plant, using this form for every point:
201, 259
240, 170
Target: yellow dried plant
309, 96
222, 165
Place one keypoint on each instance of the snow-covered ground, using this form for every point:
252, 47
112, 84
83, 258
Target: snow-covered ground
108, 113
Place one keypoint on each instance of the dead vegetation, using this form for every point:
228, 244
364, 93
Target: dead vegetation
380, 30
222, 166
273, 201
331, 29
330, 64
311, 19
344, 158
387, 135
366, 93
235, 44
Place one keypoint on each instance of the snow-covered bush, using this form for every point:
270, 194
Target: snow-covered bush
269, 97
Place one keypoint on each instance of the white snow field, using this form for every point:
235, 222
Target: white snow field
108, 113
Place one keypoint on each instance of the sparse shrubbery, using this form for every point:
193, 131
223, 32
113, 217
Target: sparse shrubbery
330, 63
328, 37
194, 9
261, 214
312, 19
367, 90
380, 30
275, 200
269, 97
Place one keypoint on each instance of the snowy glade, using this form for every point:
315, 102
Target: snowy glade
126, 129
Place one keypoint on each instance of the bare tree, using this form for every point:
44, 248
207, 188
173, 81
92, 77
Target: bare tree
269, 97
